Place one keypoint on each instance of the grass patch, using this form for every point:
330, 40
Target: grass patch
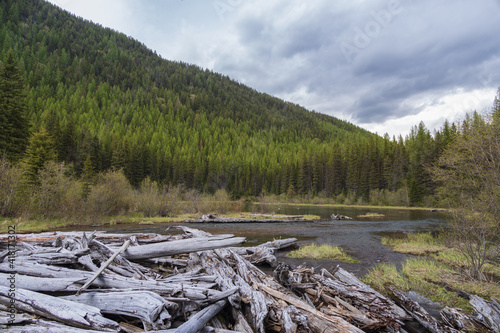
420, 275
27, 225
322, 252
426, 244
386, 274
436, 274
417, 244
371, 215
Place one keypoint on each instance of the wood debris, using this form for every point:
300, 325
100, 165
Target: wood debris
193, 282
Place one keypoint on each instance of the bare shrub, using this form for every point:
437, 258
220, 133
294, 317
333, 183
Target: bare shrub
155, 200
149, 199
10, 185
111, 195
475, 234
54, 195
193, 201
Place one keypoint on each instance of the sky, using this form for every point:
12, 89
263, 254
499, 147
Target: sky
384, 65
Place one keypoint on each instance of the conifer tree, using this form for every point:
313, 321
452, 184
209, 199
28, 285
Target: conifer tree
13, 122
40, 151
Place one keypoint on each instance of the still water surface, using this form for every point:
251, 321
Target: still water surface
360, 237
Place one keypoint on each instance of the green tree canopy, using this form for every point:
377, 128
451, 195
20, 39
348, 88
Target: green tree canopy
13, 120
40, 151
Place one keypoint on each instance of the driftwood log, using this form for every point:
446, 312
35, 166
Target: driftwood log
196, 282
68, 312
180, 246
210, 218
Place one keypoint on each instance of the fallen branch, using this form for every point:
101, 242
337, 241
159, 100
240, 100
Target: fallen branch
103, 267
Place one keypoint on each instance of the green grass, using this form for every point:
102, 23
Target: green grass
25, 226
420, 275
436, 273
372, 215
322, 252
435, 247
417, 244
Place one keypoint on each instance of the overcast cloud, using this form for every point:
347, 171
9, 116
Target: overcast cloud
384, 65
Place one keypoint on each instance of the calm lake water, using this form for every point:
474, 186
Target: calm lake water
360, 237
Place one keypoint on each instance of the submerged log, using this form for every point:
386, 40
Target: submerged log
340, 217
210, 218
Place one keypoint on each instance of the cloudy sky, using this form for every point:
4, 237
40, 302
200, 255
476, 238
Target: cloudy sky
383, 65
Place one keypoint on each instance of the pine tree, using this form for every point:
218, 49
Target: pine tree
14, 129
40, 151
88, 176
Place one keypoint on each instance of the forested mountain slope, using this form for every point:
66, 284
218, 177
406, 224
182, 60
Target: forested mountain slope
108, 99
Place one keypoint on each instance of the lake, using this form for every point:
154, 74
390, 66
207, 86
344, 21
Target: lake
359, 237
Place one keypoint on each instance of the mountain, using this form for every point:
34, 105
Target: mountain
105, 96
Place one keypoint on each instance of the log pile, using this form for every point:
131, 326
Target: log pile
187, 283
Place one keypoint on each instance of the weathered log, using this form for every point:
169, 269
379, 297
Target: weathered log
264, 253
119, 265
48, 237
41, 270
103, 267
196, 322
420, 314
199, 292
42, 284
364, 289
234, 220
459, 320
7, 318
149, 307
46, 326
64, 311
340, 217
180, 246
489, 312
55, 258
340, 324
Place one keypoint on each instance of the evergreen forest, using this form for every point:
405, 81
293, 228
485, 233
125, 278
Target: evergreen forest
96, 101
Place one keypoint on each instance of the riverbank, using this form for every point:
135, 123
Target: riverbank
226, 209
438, 272
41, 225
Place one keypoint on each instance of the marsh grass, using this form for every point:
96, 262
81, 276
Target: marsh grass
437, 248
372, 215
420, 275
438, 272
322, 252
417, 244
